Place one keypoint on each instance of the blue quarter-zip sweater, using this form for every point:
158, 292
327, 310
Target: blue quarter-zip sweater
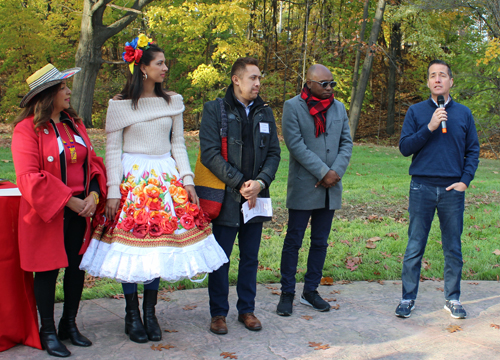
440, 159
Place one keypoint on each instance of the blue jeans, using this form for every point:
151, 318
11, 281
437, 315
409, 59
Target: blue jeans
321, 224
424, 201
249, 236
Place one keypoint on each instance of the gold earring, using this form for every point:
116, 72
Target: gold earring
145, 76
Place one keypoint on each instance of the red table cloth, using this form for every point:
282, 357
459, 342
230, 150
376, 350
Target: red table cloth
18, 317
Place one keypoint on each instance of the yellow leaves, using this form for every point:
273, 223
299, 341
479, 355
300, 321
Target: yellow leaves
491, 53
206, 76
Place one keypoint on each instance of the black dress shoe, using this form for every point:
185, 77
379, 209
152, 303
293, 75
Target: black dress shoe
68, 329
50, 341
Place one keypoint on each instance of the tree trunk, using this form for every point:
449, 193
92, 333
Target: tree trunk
302, 64
355, 110
394, 56
358, 53
93, 35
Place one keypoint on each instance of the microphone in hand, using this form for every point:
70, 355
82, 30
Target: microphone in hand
441, 105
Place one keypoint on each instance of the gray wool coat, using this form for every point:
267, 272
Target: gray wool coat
311, 157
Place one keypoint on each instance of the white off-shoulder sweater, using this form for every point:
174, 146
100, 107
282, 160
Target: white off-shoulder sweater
145, 130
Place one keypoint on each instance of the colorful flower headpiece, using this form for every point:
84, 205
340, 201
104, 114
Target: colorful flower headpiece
133, 50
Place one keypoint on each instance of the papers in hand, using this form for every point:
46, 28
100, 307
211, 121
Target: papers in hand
10, 192
263, 207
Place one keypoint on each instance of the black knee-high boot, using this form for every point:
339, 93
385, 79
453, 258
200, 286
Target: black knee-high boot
50, 341
69, 330
133, 323
150, 321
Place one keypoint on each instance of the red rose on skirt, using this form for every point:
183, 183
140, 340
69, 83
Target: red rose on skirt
180, 211
201, 222
155, 218
127, 224
187, 222
192, 209
155, 230
140, 230
155, 204
141, 216
169, 226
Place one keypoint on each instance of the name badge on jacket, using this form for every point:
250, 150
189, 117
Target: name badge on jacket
264, 128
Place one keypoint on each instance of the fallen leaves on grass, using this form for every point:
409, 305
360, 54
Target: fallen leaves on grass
159, 347
425, 264
335, 307
384, 254
376, 273
318, 346
170, 331
326, 281
393, 235
228, 355
454, 328
497, 252
381, 282
345, 242
306, 317
477, 248
423, 278
386, 267
6, 161
370, 245
495, 326
350, 265
189, 307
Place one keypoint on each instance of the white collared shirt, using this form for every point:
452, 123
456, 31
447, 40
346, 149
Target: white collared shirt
247, 108
446, 103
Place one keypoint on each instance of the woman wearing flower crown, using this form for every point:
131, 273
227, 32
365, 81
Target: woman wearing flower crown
155, 227
61, 180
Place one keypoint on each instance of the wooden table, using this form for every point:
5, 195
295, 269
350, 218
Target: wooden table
19, 321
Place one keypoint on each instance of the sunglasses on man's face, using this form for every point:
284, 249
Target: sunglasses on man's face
325, 84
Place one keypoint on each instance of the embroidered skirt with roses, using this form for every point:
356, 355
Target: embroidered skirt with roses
157, 232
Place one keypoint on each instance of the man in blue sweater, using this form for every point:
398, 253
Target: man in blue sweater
443, 165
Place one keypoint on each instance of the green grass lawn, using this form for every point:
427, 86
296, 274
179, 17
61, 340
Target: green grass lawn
374, 206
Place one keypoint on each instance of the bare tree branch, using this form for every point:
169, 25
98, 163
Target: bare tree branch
98, 5
124, 8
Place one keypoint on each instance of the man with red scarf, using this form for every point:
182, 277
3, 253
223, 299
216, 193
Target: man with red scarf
316, 131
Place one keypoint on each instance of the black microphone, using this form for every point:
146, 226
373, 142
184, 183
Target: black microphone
441, 105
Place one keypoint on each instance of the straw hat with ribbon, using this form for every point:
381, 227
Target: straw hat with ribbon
44, 78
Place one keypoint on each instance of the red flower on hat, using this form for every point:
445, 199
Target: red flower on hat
129, 54
132, 54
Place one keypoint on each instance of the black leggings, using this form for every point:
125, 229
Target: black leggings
45, 281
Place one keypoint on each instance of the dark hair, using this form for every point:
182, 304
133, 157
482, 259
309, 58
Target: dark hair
240, 65
42, 107
134, 86
440, 62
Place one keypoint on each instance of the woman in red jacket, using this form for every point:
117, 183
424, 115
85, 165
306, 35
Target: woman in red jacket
61, 180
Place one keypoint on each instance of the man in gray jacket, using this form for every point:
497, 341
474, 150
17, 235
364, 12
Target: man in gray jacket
316, 131
253, 158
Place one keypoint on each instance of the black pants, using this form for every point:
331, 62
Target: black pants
45, 281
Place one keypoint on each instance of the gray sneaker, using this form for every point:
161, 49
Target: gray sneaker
456, 309
405, 308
